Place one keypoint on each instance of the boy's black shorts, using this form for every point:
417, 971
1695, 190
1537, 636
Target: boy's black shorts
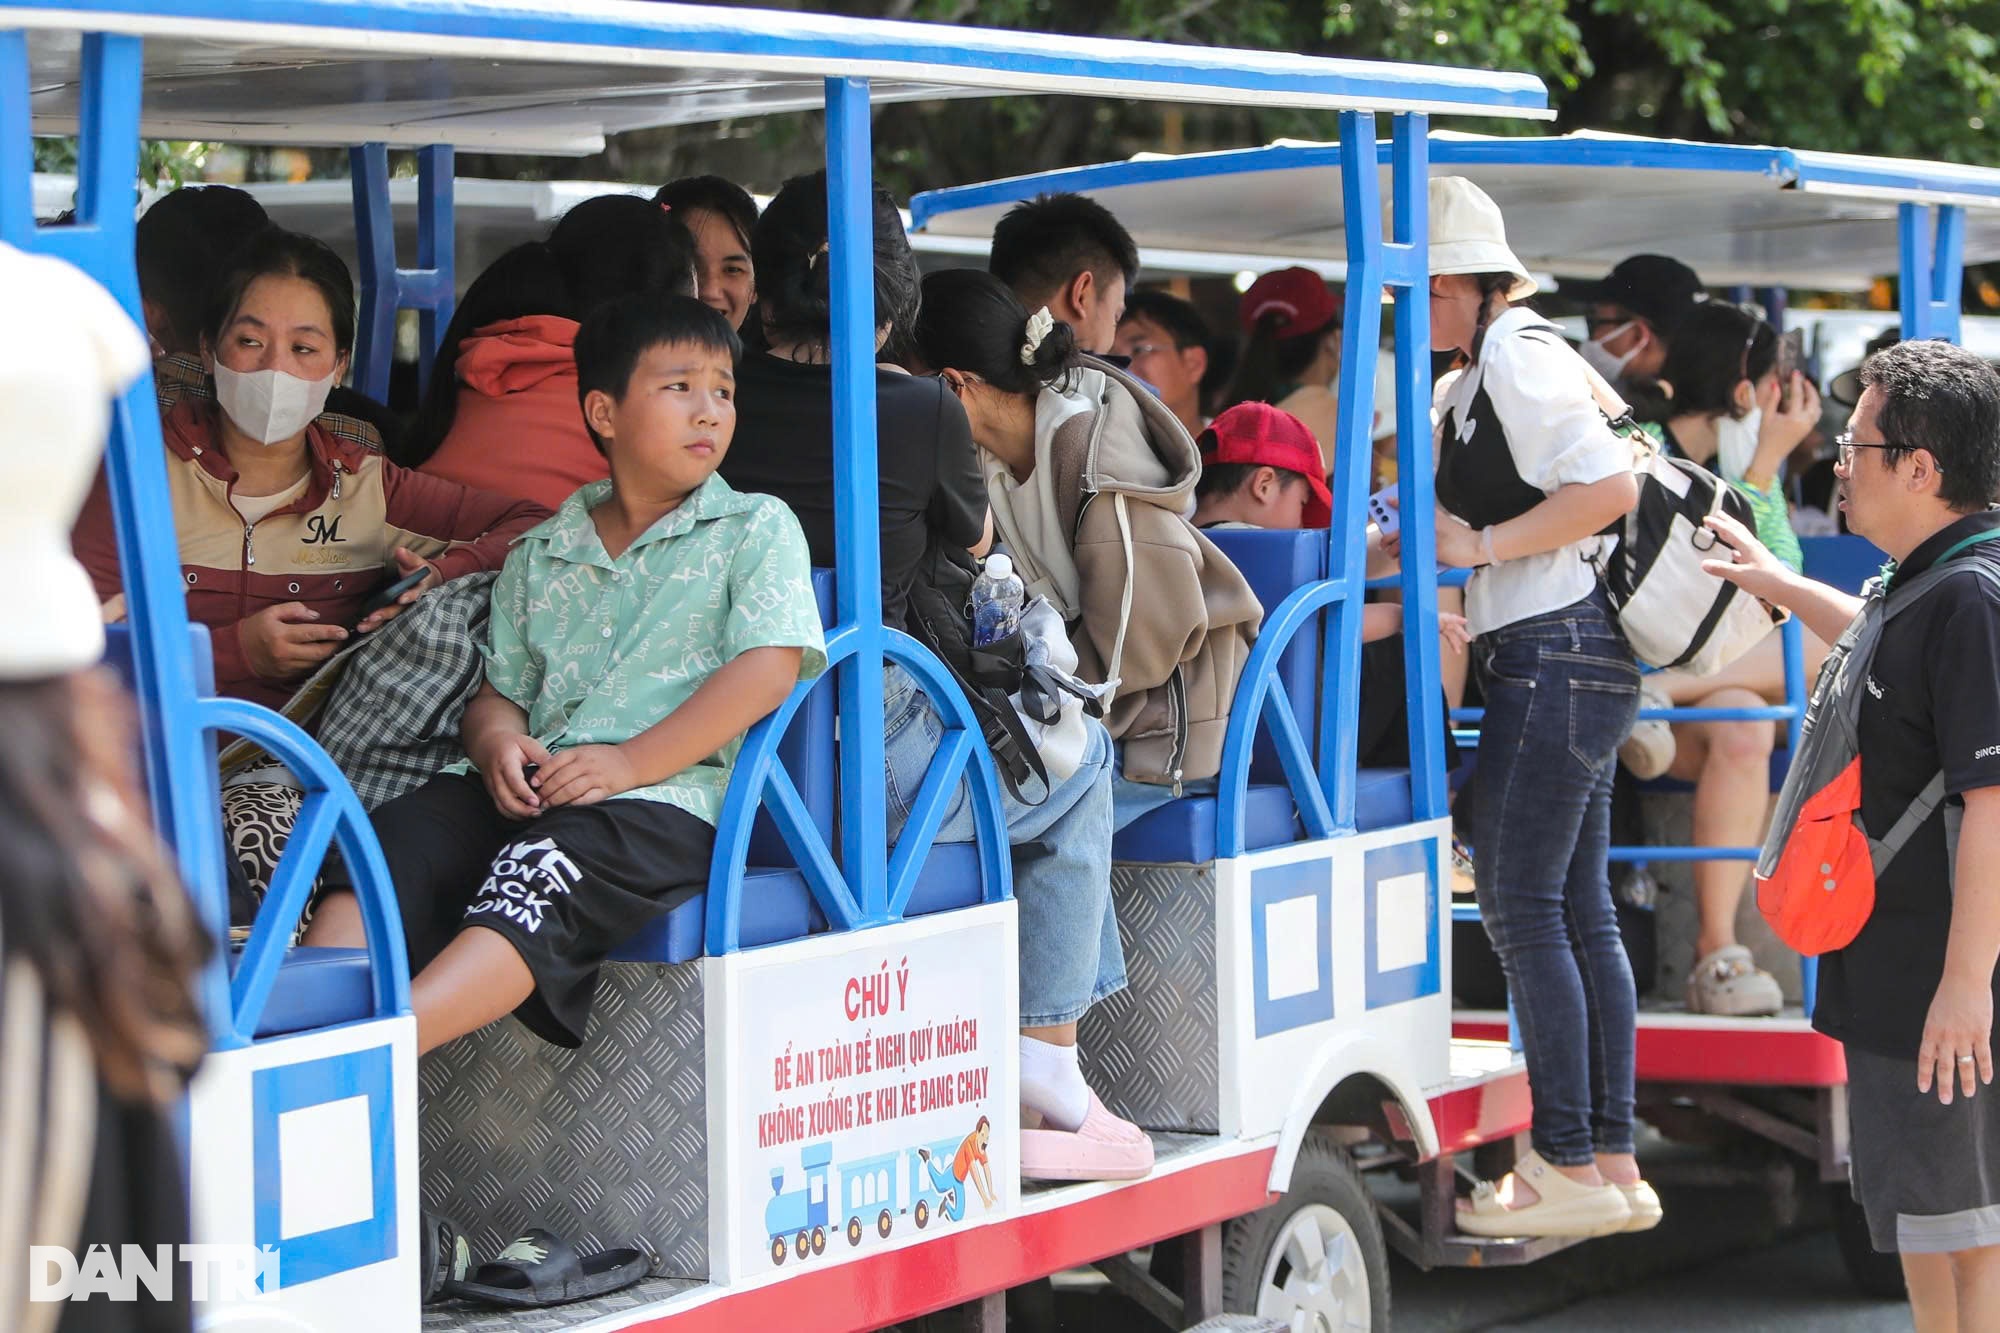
564, 888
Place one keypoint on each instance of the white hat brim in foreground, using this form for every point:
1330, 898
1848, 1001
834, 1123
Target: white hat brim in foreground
1482, 256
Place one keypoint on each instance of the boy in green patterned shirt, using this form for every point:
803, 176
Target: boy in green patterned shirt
635, 636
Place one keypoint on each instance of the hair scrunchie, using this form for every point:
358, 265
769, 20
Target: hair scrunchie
1039, 325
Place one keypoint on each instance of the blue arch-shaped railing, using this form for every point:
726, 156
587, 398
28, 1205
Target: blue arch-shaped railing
1324, 791
180, 768
429, 288
863, 886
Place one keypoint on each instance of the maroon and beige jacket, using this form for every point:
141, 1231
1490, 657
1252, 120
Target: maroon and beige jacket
330, 548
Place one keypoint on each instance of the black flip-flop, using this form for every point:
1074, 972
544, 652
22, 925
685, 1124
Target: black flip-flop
445, 1254
541, 1269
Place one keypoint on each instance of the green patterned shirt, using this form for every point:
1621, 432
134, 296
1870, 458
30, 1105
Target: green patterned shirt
598, 650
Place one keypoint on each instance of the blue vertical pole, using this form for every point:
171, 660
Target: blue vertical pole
1933, 267
1361, 339
437, 252
857, 541
375, 257
17, 144
385, 288
1409, 258
179, 768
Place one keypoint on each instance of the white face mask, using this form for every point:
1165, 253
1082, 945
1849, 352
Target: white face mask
1607, 362
1736, 443
269, 405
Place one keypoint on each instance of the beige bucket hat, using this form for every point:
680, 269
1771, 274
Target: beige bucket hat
1468, 235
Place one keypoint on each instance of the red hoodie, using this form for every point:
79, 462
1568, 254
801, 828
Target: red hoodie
519, 430
331, 548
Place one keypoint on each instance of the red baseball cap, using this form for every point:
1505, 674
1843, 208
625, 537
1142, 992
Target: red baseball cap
1299, 296
1260, 435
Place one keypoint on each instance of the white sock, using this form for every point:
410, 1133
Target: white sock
1052, 1084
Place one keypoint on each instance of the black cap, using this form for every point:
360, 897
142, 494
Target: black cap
1657, 289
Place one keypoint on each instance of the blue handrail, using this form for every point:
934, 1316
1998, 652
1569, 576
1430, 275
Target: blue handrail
1324, 780
429, 288
331, 811
861, 887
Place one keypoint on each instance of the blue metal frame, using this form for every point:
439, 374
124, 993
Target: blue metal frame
180, 766
429, 288
1933, 269
1325, 792
863, 888
779, 44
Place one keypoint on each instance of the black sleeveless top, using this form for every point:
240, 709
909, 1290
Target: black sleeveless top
1476, 477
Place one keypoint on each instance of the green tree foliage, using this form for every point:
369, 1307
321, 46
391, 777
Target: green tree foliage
1898, 77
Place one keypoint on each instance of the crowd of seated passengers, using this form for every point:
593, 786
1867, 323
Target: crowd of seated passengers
1017, 428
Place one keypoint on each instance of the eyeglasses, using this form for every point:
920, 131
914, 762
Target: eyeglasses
1846, 444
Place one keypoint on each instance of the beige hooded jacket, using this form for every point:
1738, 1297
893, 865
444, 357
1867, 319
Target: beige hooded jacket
1150, 602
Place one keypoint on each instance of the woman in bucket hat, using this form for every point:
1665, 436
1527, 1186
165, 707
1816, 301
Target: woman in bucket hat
1528, 473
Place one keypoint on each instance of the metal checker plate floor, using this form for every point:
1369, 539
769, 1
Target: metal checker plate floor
456, 1316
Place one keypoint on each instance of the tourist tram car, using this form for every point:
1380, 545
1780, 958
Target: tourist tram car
1295, 926
1744, 216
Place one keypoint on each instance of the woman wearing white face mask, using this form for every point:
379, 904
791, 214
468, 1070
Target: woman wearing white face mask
285, 530
1735, 415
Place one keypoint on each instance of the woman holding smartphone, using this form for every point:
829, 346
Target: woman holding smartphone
1529, 471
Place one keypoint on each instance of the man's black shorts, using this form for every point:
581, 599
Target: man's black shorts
564, 888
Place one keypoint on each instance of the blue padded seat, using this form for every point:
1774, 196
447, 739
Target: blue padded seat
1845, 562
777, 903
1274, 562
316, 988
1183, 831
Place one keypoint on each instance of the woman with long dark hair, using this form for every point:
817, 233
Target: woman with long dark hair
1739, 413
933, 511
99, 1028
720, 215
1291, 351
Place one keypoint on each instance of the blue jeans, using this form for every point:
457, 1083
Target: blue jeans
1070, 954
1561, 693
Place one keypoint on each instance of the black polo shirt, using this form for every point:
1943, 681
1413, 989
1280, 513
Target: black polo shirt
1933, 703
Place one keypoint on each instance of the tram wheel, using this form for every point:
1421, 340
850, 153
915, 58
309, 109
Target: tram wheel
777, 1251
853, 1231
819, 1240
1878, 1275
1316, 1254
885, 1224
805, 1244
923, 1213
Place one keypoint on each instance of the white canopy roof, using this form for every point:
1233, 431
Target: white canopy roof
557, 76
1574, 205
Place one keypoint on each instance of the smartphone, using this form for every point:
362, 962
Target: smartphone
1382, 511
388, 595
1791, 355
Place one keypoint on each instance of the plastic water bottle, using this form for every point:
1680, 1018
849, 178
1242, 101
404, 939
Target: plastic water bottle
998, 597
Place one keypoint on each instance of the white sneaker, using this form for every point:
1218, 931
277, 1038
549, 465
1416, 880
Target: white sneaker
1728, 982
1649, 750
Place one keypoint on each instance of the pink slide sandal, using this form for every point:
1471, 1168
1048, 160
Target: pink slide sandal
1102, 1148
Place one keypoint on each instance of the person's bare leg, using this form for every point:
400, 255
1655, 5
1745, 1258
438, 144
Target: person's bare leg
1730, 766
1062, 1034
1761, 671
1933, 1292
1976, 1284
336, 924
1620, 1168
480, 977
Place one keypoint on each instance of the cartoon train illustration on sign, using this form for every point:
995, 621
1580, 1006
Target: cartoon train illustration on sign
855, 1198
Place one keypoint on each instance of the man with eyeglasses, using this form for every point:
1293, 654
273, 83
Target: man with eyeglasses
1166, 341
1919, 470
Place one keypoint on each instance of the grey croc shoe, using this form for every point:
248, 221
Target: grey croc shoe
1729, 983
